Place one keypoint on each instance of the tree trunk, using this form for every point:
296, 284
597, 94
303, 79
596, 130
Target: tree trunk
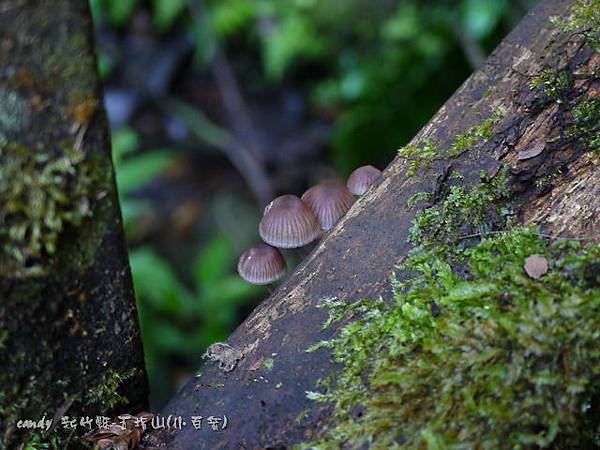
554, 182
69, 335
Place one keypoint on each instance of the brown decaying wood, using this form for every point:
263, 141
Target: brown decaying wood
357, 258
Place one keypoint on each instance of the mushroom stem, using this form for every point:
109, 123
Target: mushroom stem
270, 288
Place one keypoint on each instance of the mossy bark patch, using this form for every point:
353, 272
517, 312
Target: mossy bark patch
68, 320
475, 357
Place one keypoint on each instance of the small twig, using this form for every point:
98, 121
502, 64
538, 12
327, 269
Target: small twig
544, 235
248, 155
205, 130
470, 46
60, 411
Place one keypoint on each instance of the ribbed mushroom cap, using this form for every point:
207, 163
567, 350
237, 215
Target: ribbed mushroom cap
329, 202
288, 223
362, 178
261, 264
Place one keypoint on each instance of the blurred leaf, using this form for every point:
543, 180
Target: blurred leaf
124, 140
232, 290
206, 46
481, 16
200, 125
138, 170
220, 302
166, 12
352, 84
96, 9
405, 24
229, 16
168, 337
293, 38
156, 283
105, 65
236, 218
120, 11
214, 261
131, 210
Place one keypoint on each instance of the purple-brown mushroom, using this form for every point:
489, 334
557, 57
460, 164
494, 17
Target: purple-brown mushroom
288, 222
329, 202
362, 178
261, 264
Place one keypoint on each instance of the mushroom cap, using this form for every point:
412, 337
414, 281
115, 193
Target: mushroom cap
329, 202
288, 223
362, 178
261, 264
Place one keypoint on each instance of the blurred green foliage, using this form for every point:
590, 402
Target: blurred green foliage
377, 70
383, 67
178, 320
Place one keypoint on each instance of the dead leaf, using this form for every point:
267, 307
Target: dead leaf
118, 437
536, 266
224, 354
532, 152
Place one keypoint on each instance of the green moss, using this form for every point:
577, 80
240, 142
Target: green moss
471, 352
417, 198
463, 211
547, 179
585, 113
480, 132
480, 357
586, 123
552, 83
419, 156
303, 414
106, 393
27, 400
584, 20
37, 442
424, 154
269, 362
40, 195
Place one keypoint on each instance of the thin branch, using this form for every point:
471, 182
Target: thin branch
471, 48
542, 235
246, 155
212, 134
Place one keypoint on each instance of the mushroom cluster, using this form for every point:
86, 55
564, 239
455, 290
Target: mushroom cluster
290, 222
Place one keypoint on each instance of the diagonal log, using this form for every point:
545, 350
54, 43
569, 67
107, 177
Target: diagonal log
264, 396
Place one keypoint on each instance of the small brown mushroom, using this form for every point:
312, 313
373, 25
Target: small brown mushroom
288, 223
261, 264
329, 202
362, 178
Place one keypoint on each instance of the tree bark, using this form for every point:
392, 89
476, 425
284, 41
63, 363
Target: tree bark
264, 396
69, 335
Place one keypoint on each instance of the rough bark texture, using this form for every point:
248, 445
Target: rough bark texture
68, 321
265, 402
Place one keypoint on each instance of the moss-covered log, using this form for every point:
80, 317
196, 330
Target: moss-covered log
516, 145
69, 335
